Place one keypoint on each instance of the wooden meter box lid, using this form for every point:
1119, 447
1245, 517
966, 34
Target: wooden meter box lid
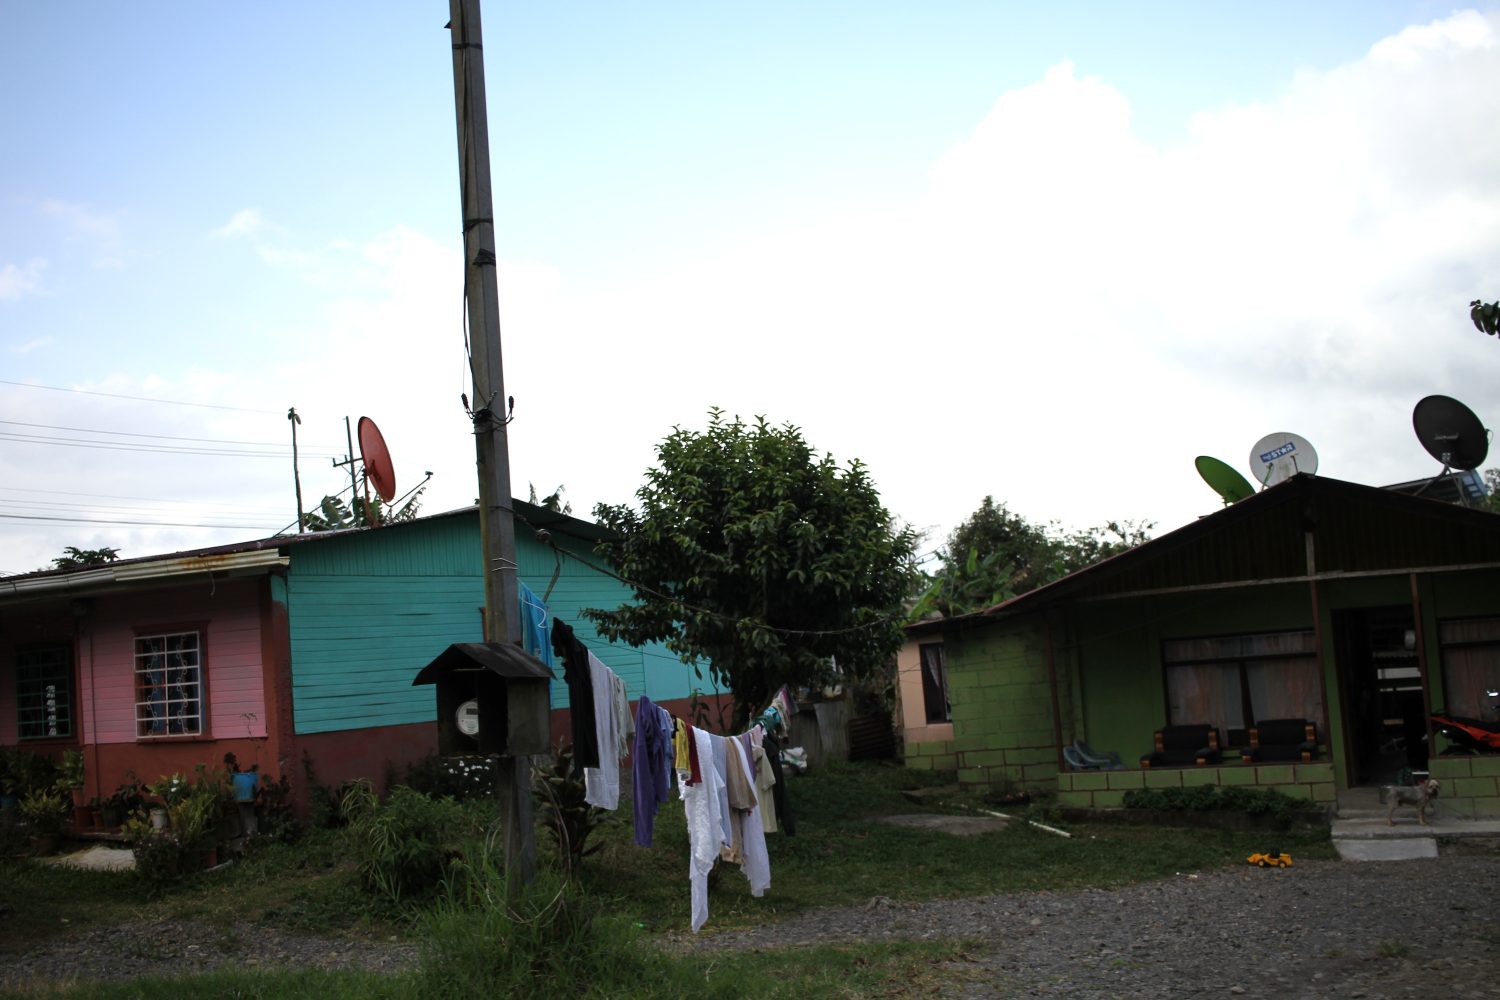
508, 685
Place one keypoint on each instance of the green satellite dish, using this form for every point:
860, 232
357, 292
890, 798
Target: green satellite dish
1229, 484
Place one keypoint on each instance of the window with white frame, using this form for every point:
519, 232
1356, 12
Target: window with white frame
44, 693
168, 684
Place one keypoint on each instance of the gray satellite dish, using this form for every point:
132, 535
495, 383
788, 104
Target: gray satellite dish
1280, 456
1450, 432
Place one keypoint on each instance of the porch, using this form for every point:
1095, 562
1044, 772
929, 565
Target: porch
1471, 785
1313, 781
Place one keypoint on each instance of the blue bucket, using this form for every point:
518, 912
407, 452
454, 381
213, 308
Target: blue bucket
244, 786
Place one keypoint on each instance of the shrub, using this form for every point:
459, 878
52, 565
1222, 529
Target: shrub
161, 856
1279, 808
404, 847
553, 940
275, 820
464, 779
324, 802
45, 811
26, 771
560, 805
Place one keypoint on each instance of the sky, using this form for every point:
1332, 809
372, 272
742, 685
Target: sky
1048, 253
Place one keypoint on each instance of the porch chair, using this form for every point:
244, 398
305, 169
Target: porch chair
1281, 740
1184, 746
1109, 761
1077, 762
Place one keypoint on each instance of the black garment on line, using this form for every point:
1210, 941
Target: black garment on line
580, 678
778, 791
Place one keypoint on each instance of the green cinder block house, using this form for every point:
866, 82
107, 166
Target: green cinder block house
1354, 609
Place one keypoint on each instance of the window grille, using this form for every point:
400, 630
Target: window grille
168, 685
44, 693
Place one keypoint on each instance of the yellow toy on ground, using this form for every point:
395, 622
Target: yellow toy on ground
1271, 860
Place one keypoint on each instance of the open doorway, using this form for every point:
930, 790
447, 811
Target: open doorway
1381, 684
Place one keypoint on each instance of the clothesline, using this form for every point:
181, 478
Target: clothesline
732, 787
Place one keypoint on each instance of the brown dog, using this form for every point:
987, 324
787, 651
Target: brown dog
1419, 796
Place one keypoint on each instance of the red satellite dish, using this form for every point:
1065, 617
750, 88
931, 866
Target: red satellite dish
377, 459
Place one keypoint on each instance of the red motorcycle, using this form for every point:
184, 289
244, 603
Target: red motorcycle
1469, 736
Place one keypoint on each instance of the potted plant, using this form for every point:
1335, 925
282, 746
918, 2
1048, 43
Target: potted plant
124, 803
46, 814
168, 791
70, 778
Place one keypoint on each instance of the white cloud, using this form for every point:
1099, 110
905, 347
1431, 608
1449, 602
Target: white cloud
31, 345
17, 280
1071, 314
101, 231
1065, 317
246, 222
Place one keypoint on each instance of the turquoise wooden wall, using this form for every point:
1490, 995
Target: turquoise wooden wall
368, 610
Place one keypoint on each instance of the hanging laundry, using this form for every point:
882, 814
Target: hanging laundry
575, 658
651, 766
721, 769
778, 790
749, 833
625, 722
700, 803
534, 617
764, 778
741, 797
602, 783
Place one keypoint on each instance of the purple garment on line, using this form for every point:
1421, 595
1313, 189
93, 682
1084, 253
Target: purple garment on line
744, 739
651, 766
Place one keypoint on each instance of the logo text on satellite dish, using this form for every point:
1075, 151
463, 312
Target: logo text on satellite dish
1275, 453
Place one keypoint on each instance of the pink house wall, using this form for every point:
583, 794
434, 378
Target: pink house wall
228, 618
237, 633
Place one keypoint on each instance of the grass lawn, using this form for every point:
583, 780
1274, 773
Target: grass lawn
840, 855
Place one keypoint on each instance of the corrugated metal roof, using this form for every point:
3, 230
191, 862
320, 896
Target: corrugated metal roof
1355, 529
537, 517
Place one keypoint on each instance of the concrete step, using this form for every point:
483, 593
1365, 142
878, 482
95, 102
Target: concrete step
1385, 849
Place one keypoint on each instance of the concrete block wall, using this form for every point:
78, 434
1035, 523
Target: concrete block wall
1106, 789
1002, 709
1471, 786
936, 755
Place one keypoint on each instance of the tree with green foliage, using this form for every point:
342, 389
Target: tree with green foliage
552, 501
1486, 317
76, 558
996, 554
1491, 502
332, 514
752, 552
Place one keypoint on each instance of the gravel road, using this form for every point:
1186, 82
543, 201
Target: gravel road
1425, 928
1377, 930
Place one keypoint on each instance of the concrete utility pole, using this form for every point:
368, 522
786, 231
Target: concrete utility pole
482, 296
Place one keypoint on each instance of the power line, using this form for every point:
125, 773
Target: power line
149, 449
138, 399
315, 449
642, 588
148, 524
32, 506
117, 496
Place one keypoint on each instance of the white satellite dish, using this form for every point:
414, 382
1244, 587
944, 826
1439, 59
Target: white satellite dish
1280, 456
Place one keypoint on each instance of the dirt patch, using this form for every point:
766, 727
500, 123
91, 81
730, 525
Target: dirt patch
958, 826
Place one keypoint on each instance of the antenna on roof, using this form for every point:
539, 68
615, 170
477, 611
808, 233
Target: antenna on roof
1280, 456
1230, 485
1451, 433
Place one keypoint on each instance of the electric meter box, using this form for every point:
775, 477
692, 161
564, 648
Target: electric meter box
492, 699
